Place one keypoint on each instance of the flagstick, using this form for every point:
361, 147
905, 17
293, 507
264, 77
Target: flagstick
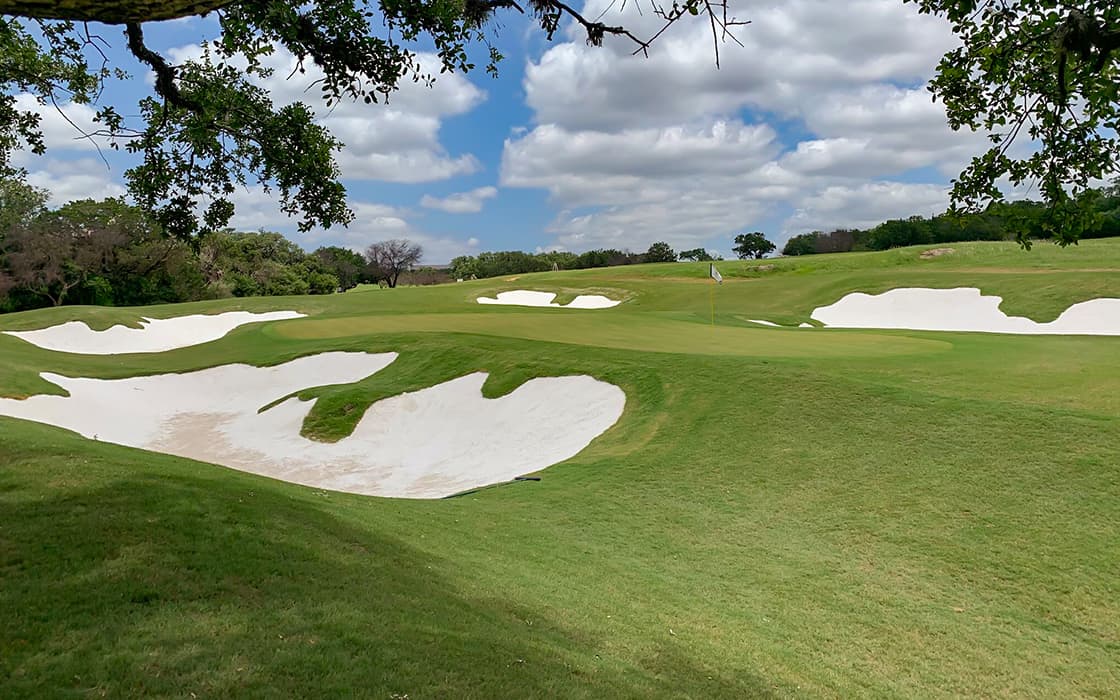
712, 295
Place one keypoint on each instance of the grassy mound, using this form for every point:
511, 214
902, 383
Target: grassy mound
778, 512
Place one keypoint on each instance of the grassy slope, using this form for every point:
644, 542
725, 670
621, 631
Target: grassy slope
778, 512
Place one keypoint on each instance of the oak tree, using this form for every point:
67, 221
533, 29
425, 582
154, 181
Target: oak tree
660, 252
752, 245
1043, 74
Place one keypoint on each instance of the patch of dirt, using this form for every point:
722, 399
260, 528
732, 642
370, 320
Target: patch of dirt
936, 253
764, 268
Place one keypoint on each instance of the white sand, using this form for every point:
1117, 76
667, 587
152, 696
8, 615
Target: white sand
425, 444
764, 323
156, 335
522, 297
962, 309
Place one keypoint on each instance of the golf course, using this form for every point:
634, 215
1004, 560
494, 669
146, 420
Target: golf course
716, 507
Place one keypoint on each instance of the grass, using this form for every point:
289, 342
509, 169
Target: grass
778, 513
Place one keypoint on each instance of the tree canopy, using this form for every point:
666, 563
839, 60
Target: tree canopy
752, 245
660, 252
1039, 69
696, 254
109, 252
1021, 219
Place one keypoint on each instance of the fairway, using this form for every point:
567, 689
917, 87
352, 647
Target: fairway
777, 512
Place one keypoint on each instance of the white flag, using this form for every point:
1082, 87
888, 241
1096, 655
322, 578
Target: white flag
715, 273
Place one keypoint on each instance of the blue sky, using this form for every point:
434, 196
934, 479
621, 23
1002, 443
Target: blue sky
820, 120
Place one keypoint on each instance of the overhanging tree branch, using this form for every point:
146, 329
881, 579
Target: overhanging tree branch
166, 87
110, 12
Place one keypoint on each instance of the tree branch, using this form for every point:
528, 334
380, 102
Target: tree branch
597, 30
166, 87
120, 12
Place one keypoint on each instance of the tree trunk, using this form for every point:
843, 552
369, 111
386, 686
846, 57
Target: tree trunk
110, 12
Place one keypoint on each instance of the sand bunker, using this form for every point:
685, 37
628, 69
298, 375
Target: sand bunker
962, 309
778, 325
156, 335
522, 297
425, 444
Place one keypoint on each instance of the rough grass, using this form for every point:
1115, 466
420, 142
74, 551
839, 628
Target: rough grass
777, 513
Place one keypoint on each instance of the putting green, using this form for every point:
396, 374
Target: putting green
622, 332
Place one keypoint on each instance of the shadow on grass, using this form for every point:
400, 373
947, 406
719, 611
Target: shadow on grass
148, 583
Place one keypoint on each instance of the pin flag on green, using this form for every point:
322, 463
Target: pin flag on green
714, 274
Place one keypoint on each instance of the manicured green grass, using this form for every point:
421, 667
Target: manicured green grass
777, 513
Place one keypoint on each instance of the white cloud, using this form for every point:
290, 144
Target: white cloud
378, 222
407, 166
865, 205
822, 111
460, 202
791, 51
675, 183
65, 126
67, 180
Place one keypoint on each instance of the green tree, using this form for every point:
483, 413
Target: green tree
752, 245
1040, 70
319, 278
509, 262
605, 257
558, 260
256, 263
52, 255
659, 252
697, 254
96, 252
802, 244
348, 267
20, 203
900, 232
464, 267
145, 267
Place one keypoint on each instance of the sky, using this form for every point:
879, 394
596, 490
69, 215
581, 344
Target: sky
820, 120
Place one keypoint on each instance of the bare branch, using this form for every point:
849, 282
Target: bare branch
84, 134
597, 30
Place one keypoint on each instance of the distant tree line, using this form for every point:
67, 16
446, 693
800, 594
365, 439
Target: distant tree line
110, 253
1022, 220
514, 262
